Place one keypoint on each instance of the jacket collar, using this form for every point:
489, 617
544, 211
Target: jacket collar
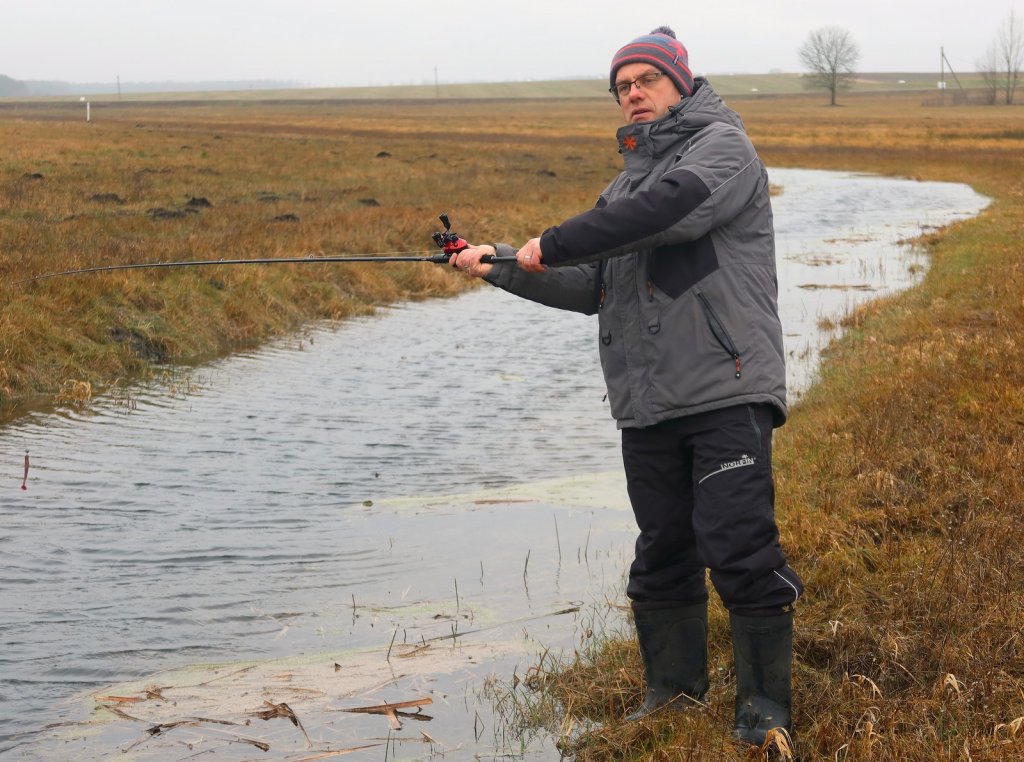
642, 145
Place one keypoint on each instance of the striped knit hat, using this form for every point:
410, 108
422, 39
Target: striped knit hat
659, 48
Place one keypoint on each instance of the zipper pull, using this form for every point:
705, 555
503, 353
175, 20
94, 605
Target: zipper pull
600, 303
650, 290
737, 359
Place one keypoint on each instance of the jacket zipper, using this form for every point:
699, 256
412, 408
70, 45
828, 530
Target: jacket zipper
720, 333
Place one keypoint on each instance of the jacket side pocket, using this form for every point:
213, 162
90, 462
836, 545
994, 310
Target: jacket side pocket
720, 332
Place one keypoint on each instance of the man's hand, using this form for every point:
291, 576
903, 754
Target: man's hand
468, 261
529, 257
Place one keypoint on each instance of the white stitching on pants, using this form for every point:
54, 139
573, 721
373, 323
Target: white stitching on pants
796, 593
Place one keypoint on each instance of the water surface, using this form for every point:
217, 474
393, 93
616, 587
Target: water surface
363, 488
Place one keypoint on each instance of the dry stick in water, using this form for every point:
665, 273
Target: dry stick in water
391, 711
337, 753
24, 480
119, 699
282, 710
526, 584
455, 634
395, 635
193, 722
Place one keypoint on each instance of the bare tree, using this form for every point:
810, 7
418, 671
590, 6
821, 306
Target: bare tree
988, 67
1008, 53
831, 55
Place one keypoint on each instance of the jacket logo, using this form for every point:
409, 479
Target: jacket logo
629, 142
743, 461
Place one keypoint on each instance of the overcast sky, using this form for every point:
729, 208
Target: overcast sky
362, 42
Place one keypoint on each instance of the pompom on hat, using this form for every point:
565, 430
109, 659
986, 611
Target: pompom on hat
660, 48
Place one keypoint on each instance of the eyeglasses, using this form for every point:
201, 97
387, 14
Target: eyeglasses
644, 82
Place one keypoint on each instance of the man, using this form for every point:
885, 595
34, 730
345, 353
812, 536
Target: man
677, 259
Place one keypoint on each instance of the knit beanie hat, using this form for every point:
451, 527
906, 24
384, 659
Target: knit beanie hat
659, 48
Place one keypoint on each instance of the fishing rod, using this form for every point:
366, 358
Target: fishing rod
448, 241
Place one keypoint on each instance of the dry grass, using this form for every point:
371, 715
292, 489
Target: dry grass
118, 190
899, 481
898, 476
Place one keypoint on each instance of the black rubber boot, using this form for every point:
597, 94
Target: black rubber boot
763, 649
673, 644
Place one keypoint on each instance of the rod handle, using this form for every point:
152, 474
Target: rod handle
489, 258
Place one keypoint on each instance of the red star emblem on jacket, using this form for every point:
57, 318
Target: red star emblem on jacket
629, 142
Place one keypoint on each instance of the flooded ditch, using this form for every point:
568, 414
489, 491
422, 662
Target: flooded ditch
386, 511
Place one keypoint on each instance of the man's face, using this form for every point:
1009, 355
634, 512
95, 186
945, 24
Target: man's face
645, 103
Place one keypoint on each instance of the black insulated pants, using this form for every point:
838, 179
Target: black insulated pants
703, 495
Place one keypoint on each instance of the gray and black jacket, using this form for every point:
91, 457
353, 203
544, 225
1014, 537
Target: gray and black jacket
677, 259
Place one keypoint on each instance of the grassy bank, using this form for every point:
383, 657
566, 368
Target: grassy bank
908, 456
899, 489
898, 476
176, 182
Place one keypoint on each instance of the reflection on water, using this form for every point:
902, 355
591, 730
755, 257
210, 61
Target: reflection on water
251, 517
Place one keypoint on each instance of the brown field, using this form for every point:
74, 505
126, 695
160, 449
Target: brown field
899, 487
118, 191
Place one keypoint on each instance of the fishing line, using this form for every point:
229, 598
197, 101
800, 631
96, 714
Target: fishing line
309, 259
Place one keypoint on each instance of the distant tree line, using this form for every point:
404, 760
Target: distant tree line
10, 88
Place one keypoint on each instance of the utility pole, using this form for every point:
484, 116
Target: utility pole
951, 71
943, 65
942, 76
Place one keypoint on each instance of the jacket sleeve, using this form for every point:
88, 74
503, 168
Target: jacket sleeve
576, 288
708, 185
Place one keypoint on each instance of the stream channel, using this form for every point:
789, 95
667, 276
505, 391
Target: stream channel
387, 510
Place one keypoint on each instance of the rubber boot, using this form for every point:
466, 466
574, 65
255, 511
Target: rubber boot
763, 649
673, 645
